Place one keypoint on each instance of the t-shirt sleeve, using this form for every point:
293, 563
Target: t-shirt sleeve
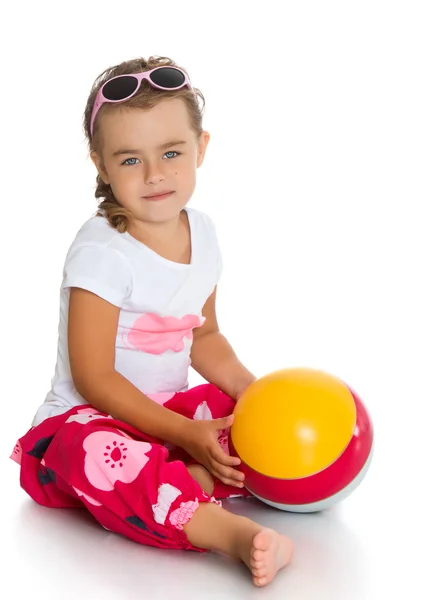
99, 269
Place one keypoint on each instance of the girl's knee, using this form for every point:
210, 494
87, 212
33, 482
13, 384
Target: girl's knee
203, 477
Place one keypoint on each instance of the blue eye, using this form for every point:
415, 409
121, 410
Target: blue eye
130, 161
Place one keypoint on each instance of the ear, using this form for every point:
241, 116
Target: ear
97, 160
204, 138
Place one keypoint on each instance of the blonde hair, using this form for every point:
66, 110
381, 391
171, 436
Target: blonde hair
146, 97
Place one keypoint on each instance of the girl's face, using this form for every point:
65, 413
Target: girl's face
146, 152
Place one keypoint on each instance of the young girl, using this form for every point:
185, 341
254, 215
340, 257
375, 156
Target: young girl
119, 432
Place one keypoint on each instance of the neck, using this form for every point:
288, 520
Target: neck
152, 233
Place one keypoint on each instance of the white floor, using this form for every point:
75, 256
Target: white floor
366, 548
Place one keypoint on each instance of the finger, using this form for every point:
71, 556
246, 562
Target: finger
227, 480
220, 456
224, 422
228, 473
232, 482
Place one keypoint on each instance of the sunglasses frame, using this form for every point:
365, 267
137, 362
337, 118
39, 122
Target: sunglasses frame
100, 99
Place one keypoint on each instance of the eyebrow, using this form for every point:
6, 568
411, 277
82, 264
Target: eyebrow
138, 151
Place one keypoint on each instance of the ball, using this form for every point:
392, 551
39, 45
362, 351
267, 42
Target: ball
304, 437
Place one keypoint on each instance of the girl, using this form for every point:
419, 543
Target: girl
119, 432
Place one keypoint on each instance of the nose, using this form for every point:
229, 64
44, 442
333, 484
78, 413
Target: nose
153, 174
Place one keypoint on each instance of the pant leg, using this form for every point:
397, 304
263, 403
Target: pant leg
123, 477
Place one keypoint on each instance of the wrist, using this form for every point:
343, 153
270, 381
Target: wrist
178, 433
242, 385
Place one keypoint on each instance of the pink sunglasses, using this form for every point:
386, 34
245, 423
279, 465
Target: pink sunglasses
123, 87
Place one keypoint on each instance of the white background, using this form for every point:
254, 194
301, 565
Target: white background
313, 178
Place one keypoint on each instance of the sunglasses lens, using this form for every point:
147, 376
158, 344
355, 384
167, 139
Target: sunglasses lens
168, 77
120, 88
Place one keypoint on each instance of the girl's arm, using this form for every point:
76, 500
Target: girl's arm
92, 329
213, 357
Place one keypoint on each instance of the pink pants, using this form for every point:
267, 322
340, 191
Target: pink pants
130, 482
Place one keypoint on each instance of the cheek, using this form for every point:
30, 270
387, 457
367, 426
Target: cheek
185, 179
125, 187
127, 179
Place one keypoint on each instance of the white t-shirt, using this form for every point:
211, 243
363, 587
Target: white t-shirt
160, 304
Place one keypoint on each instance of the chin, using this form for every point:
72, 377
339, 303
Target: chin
160, 214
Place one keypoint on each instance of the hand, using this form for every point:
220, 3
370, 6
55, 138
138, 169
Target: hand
200, 441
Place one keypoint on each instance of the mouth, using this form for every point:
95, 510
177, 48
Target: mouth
160, 196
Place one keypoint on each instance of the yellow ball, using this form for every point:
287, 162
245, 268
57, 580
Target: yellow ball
302, 435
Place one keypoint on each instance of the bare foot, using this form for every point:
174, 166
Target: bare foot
264, 551
270, 552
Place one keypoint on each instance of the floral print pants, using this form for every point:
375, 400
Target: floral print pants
131, 483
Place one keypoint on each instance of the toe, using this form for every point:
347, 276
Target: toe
260, 581
257, 554
262, 540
